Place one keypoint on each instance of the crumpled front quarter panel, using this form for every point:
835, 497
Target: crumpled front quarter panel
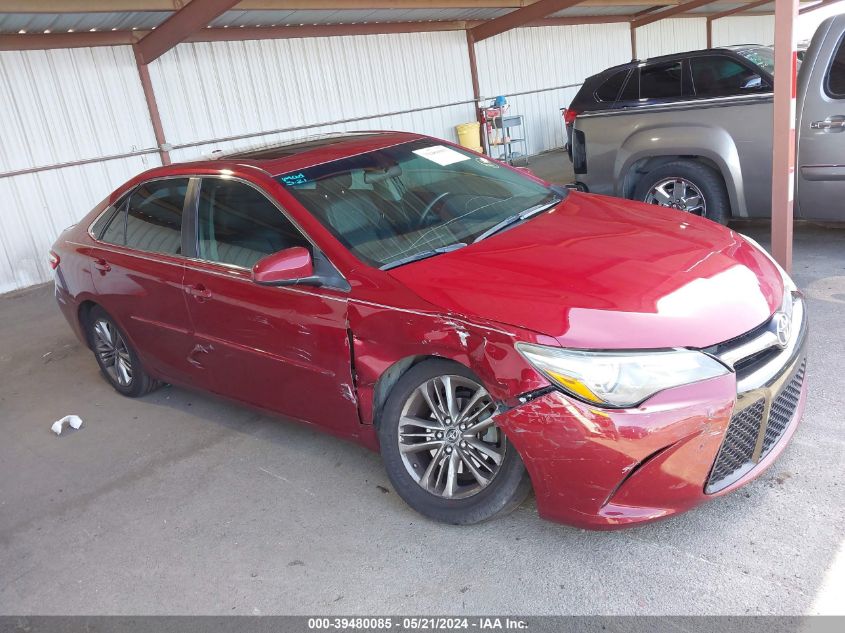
384, 335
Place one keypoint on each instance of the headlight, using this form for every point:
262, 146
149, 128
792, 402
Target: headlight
619, 379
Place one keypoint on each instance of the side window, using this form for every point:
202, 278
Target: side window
662, 81
720, 76
110, 227
238, 225
836, 73
609, 90
154, 216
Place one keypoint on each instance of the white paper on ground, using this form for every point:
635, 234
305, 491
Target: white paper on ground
441, 155
73, 420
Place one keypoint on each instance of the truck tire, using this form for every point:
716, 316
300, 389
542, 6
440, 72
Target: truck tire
689, 186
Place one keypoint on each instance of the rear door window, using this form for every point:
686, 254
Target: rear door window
836, 73
662, 81
721, 76
154, 216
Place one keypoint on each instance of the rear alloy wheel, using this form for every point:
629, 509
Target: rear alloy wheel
117, 360
688, 186
443, 451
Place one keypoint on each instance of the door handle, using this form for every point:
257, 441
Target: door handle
834, 124
198, 292
102, 265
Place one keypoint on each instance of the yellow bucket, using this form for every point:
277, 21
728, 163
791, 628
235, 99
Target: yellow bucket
469, 135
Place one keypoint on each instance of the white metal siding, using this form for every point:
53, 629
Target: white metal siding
759, 29
209, 91
673, 35
534, 58
61, 106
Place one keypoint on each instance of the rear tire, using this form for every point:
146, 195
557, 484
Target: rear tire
470, 473
118, 361
693, 179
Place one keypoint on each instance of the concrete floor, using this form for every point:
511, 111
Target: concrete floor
182, 503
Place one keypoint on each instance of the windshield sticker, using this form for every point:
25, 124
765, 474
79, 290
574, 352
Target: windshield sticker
487, 163
294, 179
441, 155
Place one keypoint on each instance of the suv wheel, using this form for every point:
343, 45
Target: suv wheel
118, 362
688, 186
441, 447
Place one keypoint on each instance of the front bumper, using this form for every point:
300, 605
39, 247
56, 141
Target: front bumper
606, 469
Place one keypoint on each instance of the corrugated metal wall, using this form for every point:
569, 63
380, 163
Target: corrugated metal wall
217, 90
533, 59
758, 29
66, 106
673, 35
63, 106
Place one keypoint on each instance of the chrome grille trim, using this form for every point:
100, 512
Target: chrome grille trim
767, 399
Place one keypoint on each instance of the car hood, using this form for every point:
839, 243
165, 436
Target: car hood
605, 273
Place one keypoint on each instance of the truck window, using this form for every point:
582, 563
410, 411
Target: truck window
721, 76
661, 81
609, 90
836, 73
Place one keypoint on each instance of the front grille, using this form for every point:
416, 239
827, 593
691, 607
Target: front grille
739, 443
782, 410
737, 453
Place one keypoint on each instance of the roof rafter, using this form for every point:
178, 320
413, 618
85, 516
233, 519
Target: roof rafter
520, 17
818, 5
747, 7
193, 16
666, 13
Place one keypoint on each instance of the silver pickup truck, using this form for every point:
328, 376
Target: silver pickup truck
694, 130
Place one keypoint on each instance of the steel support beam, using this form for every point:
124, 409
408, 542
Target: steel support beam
520, 17
743, 9
193, 17
783, 137
667, 13
152, 108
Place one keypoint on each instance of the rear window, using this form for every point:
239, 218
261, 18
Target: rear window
721, 76
836, 74
662, 81
608, 92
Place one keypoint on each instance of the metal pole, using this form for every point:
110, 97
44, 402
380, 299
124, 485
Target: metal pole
783, 137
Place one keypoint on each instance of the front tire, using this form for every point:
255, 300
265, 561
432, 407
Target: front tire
118, 361
689, 186
442, 450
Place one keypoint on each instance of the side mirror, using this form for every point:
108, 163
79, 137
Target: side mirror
286, 268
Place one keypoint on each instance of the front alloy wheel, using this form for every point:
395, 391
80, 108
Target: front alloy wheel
443, 450
447, 438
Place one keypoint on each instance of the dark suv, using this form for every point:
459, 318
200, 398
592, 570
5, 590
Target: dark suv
713, 72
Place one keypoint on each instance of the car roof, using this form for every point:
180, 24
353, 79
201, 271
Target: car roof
674, 56
279, 158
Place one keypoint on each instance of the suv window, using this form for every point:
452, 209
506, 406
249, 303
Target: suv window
662, 81
238, 225
609, 90
721, 76
154, 216
836, 73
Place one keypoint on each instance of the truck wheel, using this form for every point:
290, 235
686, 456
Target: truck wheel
442, 450
688, 186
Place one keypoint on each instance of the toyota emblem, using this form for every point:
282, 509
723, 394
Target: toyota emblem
783, 327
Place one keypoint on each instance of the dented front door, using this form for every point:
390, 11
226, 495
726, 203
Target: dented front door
283, 349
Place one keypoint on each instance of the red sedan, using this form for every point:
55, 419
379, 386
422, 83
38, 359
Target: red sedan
486, 331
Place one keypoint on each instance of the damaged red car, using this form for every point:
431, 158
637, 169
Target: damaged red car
486, 331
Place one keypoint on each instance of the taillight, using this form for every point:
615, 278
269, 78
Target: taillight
54, 260
569, 116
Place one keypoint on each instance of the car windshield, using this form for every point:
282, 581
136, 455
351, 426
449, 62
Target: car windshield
401, 203
762, 56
